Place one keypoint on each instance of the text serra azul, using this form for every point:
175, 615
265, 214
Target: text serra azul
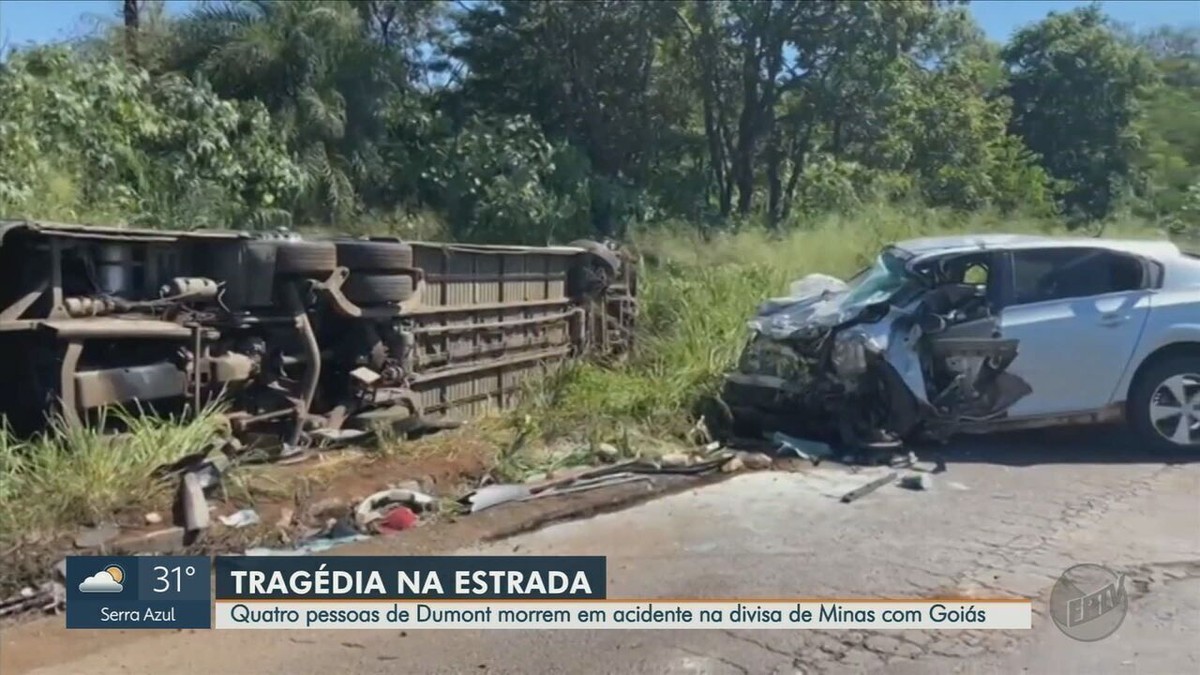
323, 581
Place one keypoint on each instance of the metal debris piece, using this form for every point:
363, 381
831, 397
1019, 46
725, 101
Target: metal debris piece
192, 502
239, 519
293, 454
867, 489
209, 471
584, 482
916, 481
627, 465
493, 495
338, 435
813, 451
365, 376
580, 486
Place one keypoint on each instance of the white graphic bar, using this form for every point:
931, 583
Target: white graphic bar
974, 614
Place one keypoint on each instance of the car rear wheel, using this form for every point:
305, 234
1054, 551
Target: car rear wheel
1164, 406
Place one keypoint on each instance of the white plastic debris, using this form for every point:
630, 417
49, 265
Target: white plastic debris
243, 518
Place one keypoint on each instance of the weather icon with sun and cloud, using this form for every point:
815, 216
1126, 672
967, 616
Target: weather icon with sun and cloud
107, 580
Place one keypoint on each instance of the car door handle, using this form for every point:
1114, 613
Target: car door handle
1112, 319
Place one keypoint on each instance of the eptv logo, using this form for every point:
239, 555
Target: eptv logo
1089, 602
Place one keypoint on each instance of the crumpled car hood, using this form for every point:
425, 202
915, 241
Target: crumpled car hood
813, 303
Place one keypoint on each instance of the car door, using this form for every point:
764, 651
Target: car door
1077, 313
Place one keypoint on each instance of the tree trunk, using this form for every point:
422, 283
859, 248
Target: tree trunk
132, 18
707, 47
743, 158
799, 157
768, 123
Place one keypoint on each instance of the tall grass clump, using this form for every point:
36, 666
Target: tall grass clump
697, 293
71, 475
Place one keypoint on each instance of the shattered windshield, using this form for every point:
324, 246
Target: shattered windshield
877, 283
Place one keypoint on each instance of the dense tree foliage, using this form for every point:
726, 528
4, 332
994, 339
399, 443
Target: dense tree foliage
509, 120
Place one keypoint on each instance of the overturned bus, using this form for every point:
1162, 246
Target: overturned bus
298, 336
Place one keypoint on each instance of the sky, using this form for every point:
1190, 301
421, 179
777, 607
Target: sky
24, 21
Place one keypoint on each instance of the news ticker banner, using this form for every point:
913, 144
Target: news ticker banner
459, 592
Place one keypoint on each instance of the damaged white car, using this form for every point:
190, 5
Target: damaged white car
979, 333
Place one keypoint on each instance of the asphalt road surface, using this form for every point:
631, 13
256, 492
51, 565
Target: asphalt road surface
1010, 514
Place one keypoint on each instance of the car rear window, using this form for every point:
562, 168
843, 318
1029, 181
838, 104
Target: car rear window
1056, 274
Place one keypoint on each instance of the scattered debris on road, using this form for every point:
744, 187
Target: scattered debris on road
377, 506
916, 481
756, 461
675, 459
493, 495
239, 519
193, 503
397, 520
49, 597
867, 489
813, 451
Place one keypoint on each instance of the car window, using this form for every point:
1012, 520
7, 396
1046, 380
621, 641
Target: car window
1056, 274
958, 269
975, 274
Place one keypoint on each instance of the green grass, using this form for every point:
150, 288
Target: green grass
697, 294
72, 476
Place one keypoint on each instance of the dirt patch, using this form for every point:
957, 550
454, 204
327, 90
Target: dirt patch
444, 465
45, 641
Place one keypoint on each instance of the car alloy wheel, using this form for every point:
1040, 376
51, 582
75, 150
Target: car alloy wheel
1175, 409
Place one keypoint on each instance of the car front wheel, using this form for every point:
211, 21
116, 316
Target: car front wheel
1164, 405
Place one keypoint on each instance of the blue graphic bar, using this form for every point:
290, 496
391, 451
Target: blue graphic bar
139, 592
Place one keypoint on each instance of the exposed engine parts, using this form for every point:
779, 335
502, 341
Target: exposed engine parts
292, 334
80, 307
895, 351
191, 289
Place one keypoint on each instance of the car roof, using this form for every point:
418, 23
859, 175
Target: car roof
935, 246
